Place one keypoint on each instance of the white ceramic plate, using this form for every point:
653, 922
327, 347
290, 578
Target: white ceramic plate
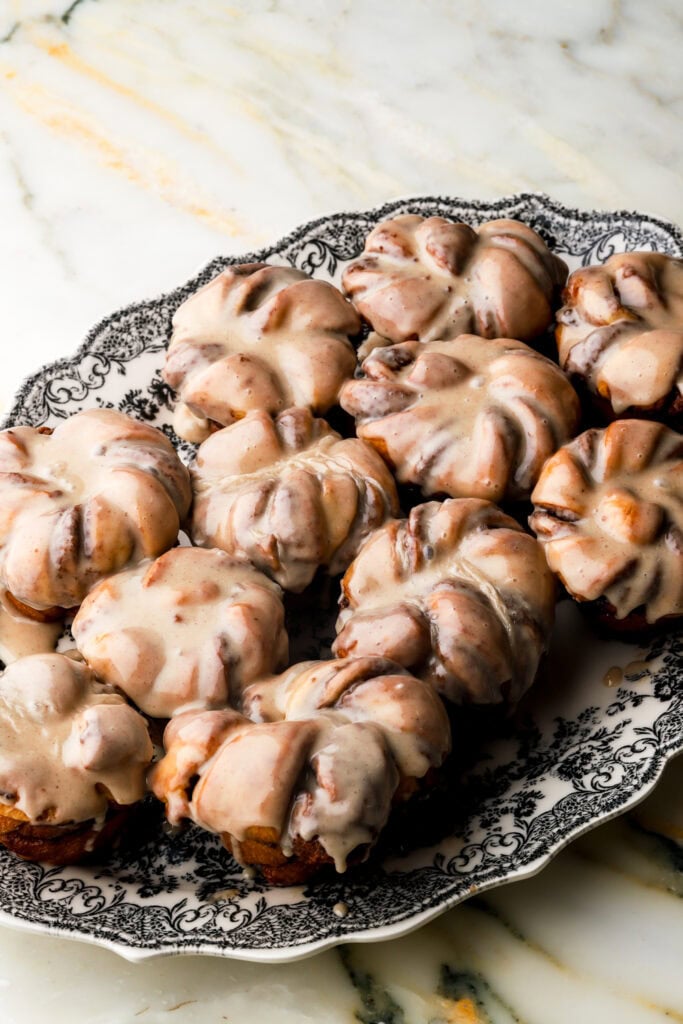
582, 752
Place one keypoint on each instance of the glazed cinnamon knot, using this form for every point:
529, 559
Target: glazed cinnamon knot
467, 417
72, 753
621, 333
430, 279
258, 337
609, 513
193, 626
98, 493
459, 594
309, 778
289, 495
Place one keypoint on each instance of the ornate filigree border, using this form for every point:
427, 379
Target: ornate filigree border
564, 775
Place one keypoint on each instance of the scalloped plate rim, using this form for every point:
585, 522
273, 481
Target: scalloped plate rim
408, 921
381, 933
542, 199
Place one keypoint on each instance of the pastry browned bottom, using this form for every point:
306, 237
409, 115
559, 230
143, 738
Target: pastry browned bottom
53, 614
261, 850
60, 844
598, 410
632, 628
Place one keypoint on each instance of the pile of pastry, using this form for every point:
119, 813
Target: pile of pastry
429, 351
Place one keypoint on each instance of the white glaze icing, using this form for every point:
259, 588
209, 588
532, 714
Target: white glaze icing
609, 512
621, 329
21, 636
430, 279
289, 495
468, 417
100, 492
322, 758
193, 626
68, 744
457, 593
259, 337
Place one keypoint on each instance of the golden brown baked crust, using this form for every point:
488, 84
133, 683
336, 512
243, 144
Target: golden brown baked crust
62, 844
194, 626
609, 513
289, 495
40, 615
73, 759
258, 337
457, 593
100, 492
308, 776
22, 634
620, 333
260, 849
429, 279
469, 417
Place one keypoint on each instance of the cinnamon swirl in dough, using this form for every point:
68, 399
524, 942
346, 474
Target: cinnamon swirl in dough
258, 337
457, 593
73, 758
609, 513
193, 627
469, 417
289, 495
308, 776
429, 279
99, 492
620, 333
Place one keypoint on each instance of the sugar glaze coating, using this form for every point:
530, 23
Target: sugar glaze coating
100, 492
289, 495
194, 626
457, 593
429, 279
469, 417
69, 745
609, 513
258, 337
621, 333
314, 768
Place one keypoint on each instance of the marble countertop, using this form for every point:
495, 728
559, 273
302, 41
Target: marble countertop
595, 938
140, 138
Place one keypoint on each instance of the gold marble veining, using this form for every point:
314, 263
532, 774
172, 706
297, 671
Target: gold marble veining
159, 179
263, 116
154, 174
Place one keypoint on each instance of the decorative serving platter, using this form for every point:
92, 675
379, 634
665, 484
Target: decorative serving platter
577, 753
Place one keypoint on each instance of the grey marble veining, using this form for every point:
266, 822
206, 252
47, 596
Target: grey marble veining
596, 938
138, 139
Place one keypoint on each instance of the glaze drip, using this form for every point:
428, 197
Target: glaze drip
21, 636
69, 745
258, 337
457, 593
609, 513
319, 759
289, 495
194, 626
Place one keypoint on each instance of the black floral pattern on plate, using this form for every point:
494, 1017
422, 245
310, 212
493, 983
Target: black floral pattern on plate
578, 755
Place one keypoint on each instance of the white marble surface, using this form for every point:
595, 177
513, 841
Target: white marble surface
596, 938
138, 139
